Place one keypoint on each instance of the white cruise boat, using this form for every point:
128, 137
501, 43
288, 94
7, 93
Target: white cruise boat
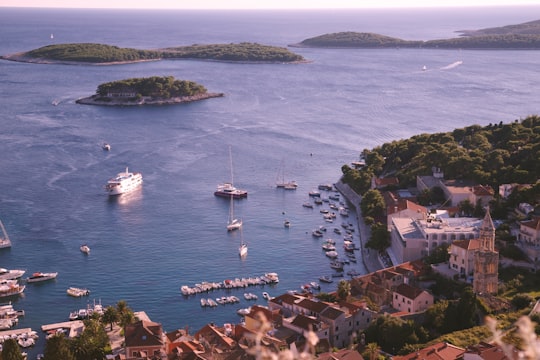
123, 182
10, 288
39, 276
6, 274
77, 292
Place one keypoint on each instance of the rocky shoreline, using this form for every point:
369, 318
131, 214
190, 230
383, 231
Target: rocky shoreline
98, 100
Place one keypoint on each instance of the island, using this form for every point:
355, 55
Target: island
524, 36
100, 54
155, 90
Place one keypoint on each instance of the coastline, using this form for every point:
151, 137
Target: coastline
369, 257
94, 100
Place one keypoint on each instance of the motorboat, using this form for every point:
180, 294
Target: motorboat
106, 147
77, 292
227, 190
266, 296
244, 311
337, 265
314, 193
326, 187
10, 288
204, 302
317, 233
328, 247
315, 285
287, 223
326, 279
308, 205
332, 254
272, 277
6, 274
124, 182
40, 276
85, 249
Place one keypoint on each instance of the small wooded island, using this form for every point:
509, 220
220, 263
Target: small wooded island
514, 37
100, 54
154, 90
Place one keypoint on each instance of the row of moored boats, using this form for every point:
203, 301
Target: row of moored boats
267, 278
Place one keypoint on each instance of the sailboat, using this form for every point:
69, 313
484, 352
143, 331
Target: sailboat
227, 189
4, 239
243, 248
233, 223
281, 183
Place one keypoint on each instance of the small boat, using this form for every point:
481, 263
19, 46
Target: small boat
204, 302
242, 250
325, 279
77, 292
244, 311
211, 302
6, 274
424, 68
106, 147
315, 285
4, 238
317, 233
272, 277
337, 265
314, 193
332, 254
233, 223
85, 249
280, 181
10, 288
124, 182
39, 276
326, 187
266, 296
287, 223
308, 205
328, 247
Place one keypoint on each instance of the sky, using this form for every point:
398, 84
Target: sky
259, 4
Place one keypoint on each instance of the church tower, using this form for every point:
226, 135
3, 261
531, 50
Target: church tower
486, 259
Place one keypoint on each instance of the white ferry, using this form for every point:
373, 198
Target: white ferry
123, 183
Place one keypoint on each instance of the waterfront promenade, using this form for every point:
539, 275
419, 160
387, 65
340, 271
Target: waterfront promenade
369, 257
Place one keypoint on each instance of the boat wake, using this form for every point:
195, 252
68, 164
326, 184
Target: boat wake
452, 65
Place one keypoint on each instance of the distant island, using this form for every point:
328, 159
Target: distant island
100, 54
521, 36
154, 90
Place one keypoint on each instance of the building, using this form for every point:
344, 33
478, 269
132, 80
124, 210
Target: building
439, 351
145, 339
528, 238
412, 239
411, 299
462, 256
486, 259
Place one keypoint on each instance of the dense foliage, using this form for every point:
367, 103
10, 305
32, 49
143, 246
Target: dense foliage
100, 53
155, 86
492, 155
92, 53
233, 52
370, 40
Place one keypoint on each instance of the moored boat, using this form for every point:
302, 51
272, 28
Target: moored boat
124, 182
326, 279
10, 288
5, 242
227, 190
77, 292
39, 276
6, 274
85, 249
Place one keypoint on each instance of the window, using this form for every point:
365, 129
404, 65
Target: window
337, 328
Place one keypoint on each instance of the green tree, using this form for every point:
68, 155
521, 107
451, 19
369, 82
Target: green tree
91, 344
380, 237
372, 204
58, 347
343, 290
110, 316
11, 350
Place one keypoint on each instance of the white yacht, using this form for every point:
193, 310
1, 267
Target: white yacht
39, 276
6, 274
85, 249
123, 183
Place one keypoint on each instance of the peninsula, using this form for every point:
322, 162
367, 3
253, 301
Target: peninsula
100, 54
524, 36
148, 91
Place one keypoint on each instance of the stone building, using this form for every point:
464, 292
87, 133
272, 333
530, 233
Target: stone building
486, 259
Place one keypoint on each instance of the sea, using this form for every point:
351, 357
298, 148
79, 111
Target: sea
306, 120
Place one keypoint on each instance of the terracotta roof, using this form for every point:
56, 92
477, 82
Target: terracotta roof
410, 292
214, 336
285, 299
314, 306
344, 354
488, 351
143, 333
306, 322
483, 190
439, 351
332, 313
533, 224
386, 181
470, 244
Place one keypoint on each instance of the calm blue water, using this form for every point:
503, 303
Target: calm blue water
315, 117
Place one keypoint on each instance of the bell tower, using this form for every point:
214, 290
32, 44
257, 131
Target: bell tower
486, 259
